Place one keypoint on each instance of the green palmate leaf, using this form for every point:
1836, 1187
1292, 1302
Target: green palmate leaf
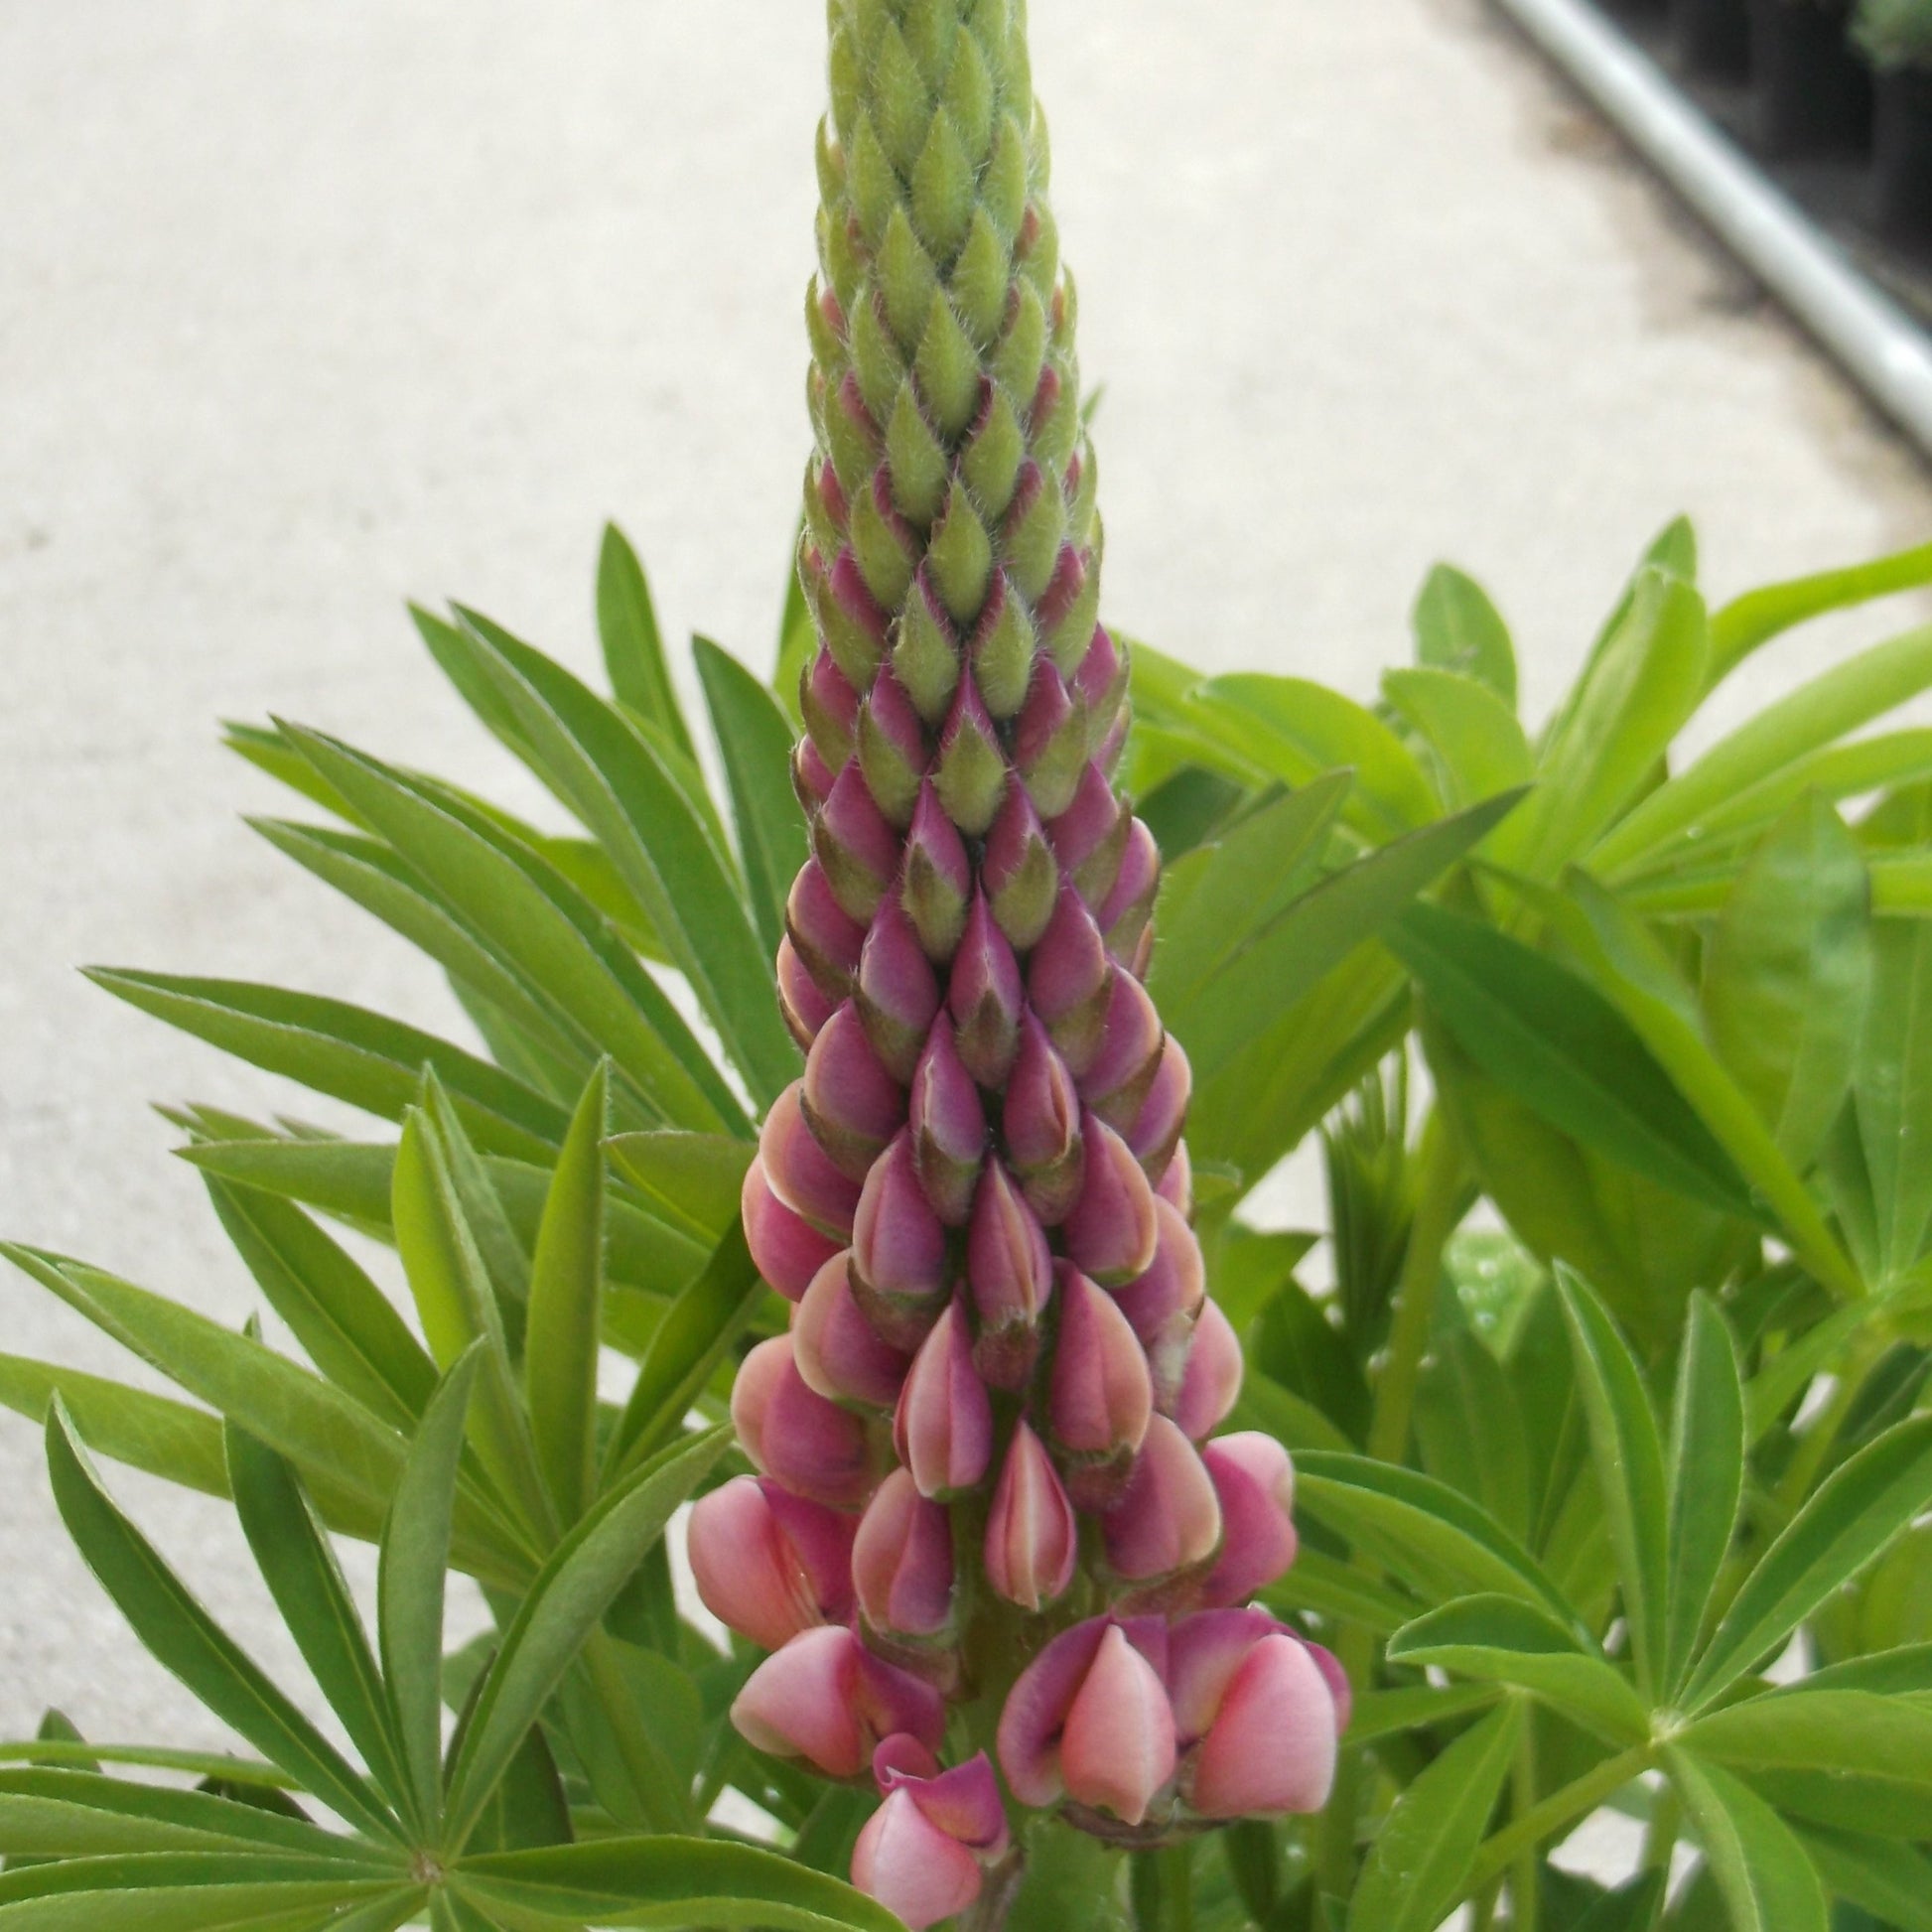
345, 1323
1217, 901
566, 1297
1758, 615
689, 1344
1340, 1591
1706, 1480
269, 751
458, 1309
506, 1257
67, 1814
346, 1052
196, 1892
1641, 686
1892, 1882
1385, 1714
1292, 731
561, 971
186, 1640
1428, 1843
1905, 1671
633, 649
1793, 1369
754, 741
1787, 975
213, 1767
1632, 1907
1860, 1508
563, 1607
666, 1881
1849, 695
1891, 1102
628, 796
1505, 1640
1471, 1431
1440, 1542
691, 1181
1457, 629
1629, 1460
1318, 931
410, 1575
1479, 748
1762, 1870
147, 1431
300, 1567
1550, 1040
1846, 1758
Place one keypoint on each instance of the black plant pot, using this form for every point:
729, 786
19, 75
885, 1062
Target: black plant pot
1713, 37
1901, 155
1813, 91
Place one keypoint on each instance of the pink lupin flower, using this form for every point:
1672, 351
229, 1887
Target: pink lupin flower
1112, 1231
1031, 1539
985, 997
1069, 980
1175, 1185
768, 1564
922, 1854
901, 1275
1256, 1716
852, 1105
1049, 742
794, 1435
936, 884
1211, 1385
1101, 1397
891, 744
1009, 1273
1090, 836
1020, 877
897, 992
902, 1562
1167, 1521
1163, 1303
1089, 1720
943, 1427
1100, 686
1254, 1481
800, 1172
830, 708
948, 1127
786, 1248
825, 936
825, 1698
1156, 1134
1118, 1078
1042, 1125
800, 998
811, 778
1126, 914
839, 1353
855, 844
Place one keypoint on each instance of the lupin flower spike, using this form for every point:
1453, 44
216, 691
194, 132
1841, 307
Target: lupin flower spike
1002, 1370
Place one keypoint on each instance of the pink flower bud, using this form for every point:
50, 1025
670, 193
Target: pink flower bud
1101, 1397
850, 1103
1089, 837
1100, 683
901, 1562
812, 778
794, 1435
892, 749
800, 1172
1163, 1304
1117, 1080
1129, 907
948, 1127
1089, 1720
1068, 981
1211, 1385
830, 708
985, 997
1050, 742
937, 883
827, 1699
897, 994
1112, 1232
971, 774
1254, 1481
1010, 1270
1031, 1538
854, 844
1257, 1715
1167, 1519
862, 634
768, 1564
805, 1005
1020, 874
900, 1274
1158, 1127
1043, 1125
943, 1428
926, 658
1177, 1184
922, 1853
788, 1251
826, 937
838, 1351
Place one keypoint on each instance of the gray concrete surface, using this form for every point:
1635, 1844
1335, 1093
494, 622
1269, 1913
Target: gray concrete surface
304, 307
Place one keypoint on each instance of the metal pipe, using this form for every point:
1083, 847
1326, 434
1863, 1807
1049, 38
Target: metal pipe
1871, 337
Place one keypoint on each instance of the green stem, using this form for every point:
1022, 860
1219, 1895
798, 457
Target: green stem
1438, 1210
1576, 1800
1525, 1874
1163, 1889
1660, 1834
